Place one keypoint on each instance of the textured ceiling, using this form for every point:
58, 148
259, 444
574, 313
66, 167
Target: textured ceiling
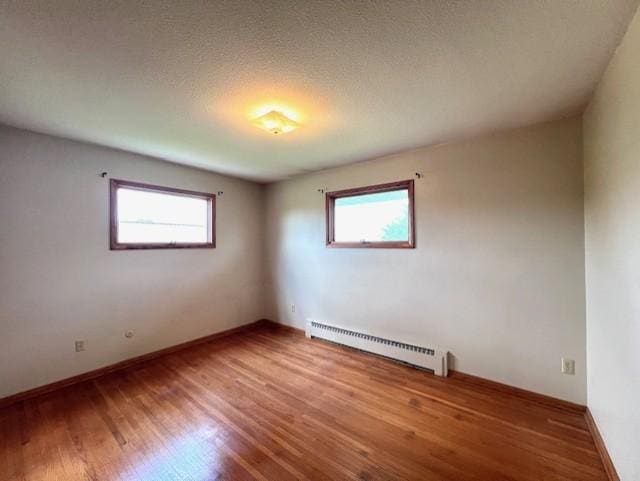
180, 79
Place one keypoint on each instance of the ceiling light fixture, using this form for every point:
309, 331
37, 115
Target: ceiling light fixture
275, 122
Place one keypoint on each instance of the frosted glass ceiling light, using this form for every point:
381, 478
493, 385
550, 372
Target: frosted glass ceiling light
275, 122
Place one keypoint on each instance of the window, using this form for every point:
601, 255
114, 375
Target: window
374, 216
151, 217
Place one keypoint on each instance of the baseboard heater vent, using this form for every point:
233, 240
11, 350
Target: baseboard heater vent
420, 356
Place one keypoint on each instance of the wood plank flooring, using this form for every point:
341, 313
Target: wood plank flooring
271, 405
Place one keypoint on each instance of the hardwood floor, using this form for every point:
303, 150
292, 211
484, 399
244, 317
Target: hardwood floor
271, 405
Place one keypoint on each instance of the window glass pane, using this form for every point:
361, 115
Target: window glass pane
382, 216
154, 217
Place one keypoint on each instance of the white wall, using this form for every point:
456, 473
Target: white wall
60, 282
612, 225
498, 273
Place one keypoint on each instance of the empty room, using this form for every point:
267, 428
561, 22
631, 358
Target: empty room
319, 240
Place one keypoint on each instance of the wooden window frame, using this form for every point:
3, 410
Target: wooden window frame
331, 197
115, 184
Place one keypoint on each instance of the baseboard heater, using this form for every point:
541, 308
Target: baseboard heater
424, 357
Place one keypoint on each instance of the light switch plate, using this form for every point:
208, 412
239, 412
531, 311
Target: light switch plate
568, 366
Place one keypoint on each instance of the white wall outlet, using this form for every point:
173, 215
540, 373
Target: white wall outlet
128, 334
568, 366
80, 345
293, 308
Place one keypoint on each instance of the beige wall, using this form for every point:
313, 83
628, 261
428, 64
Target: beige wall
497, 276
612, 225
498, 273
60, 282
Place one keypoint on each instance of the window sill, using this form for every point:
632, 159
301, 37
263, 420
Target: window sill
371, 245
123, 247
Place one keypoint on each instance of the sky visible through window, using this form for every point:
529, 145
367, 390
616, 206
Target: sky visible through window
375, 217
154, 217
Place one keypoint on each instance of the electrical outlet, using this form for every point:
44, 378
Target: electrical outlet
80, 345
293, 308
568, 366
